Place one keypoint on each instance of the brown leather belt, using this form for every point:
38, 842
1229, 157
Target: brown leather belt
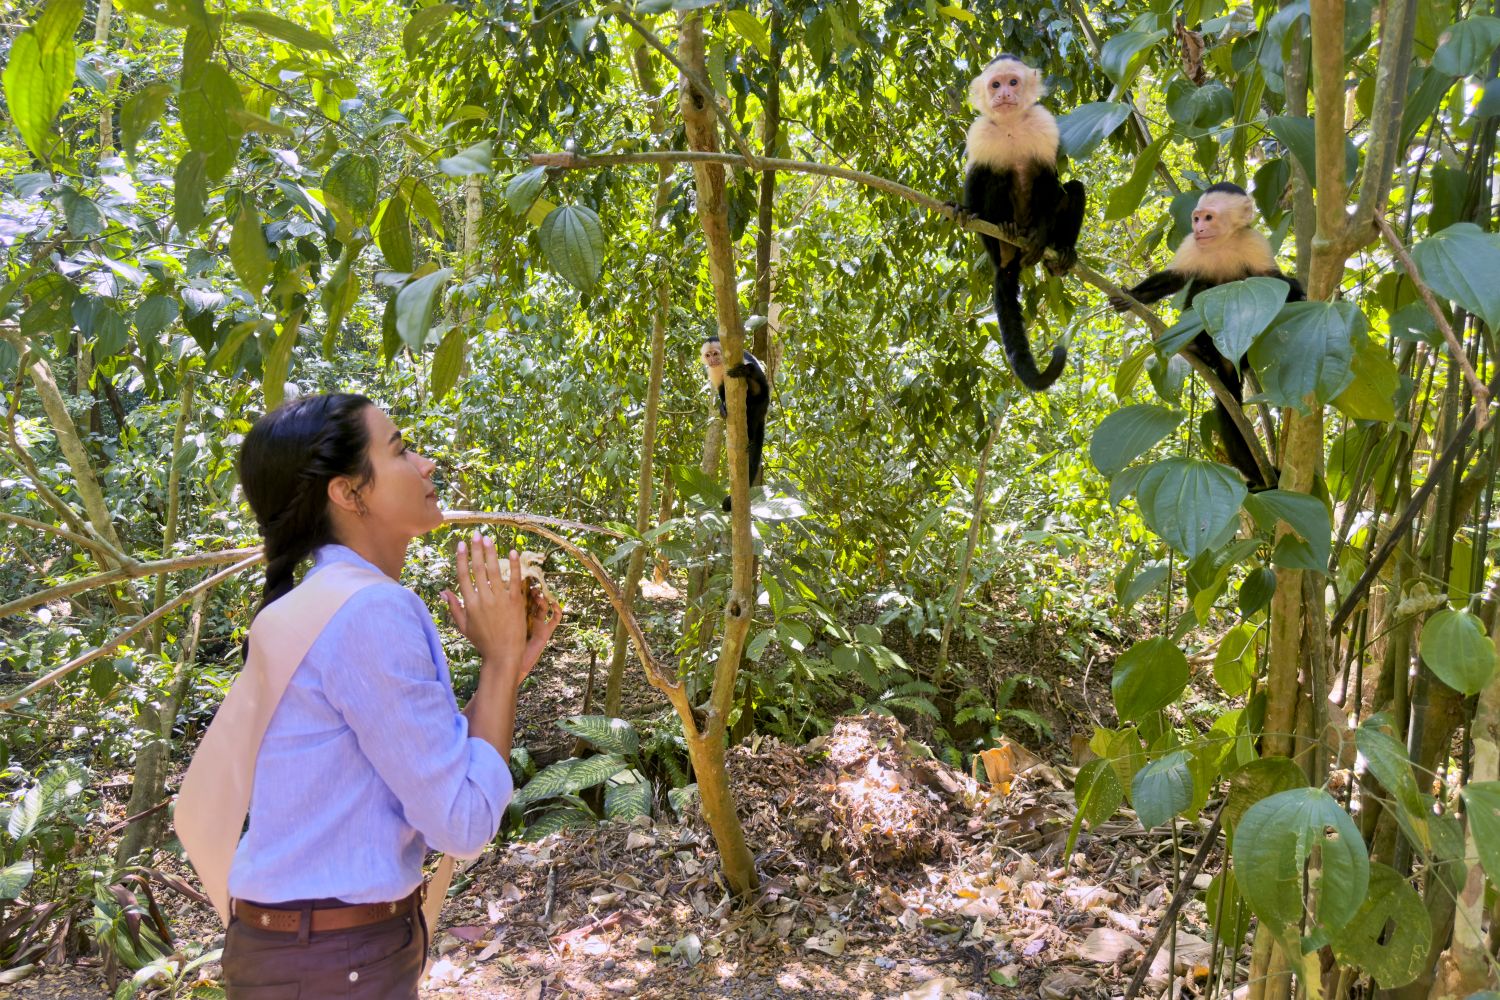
333, 918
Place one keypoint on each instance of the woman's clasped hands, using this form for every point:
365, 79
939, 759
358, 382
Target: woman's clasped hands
492, 612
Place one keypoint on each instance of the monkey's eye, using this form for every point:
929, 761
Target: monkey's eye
1208, 218
994, 84
1014, 82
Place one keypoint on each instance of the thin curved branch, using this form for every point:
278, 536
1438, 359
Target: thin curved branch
47, 680
948, 210
82, 541
133, 571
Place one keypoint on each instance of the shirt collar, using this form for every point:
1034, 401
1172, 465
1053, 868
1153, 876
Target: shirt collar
336, 553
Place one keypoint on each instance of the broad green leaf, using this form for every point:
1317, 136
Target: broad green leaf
15, 877
557, 820
395, 235
1127, 374
1389, 936
603, 732
25, 816
568, 776
422, 23
1259, 780
1298, 135
1482, 808
1126, 52
523, 188
144, 107
1126, 197
248, 251
1190, 503
448, 362
1140, 585
39, 73
1225, 907
1148, 677
339, 294
573, 240
190, 192
751, 30
415, 304
1234, 662
50, 306
349, 190
207, 97
1273, 845
1129, 433
153, 315
1371, 394
1307, 515
1257, 590
1466, 50
1234, 314
279, 361
1309, 351
82, 214
287, 31
1086, 126
1389, 764
474, 160
1462, 263
249, 121
1199, 107
1189, 324
1097, 791
1162, 789
1454, 645
111, 333
628, 799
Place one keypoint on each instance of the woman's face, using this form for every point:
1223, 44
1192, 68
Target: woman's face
399, 496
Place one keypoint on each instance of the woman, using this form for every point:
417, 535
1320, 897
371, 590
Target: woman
366, 761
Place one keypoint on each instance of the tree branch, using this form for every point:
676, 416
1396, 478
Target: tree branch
133, 571
1398, 27
82, 541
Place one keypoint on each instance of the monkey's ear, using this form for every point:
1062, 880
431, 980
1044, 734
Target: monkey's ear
976, 92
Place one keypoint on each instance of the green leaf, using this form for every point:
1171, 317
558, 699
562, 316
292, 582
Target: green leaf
1273, 844
39, 73
556, 820
339, 294
751, 30
248, 252
1462, 263
82, 214
1307, 515
190, 192
1162, 789
1466, 49
568, 776
1388, 938
474, 160
1371, 394
523, 188
448, 362
1482, 806
50, 309
287, 31
1234, 314
604, 733
1308, 352
628, 799
1234, 662
207, 97
1258, 780
1126, 52
1097, 791
1086, 126
1389, 764
1126, 198
1199, 107
278, 362
144, 107
1257, 590
1148, 677
422, 23
395, 235
1454, 645
349, 189
110, 333
573, 240
1142, 584
415, 303
1225, 907
153, 315
1129, 433
15, 877
1190, 503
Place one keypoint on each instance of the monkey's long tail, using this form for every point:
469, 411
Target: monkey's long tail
1013, 334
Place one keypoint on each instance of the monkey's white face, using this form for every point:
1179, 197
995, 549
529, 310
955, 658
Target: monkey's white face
1220, 214
1207, 224
712, 356
1005, 88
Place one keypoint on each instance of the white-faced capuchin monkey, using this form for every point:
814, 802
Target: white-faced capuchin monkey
757, 397
1011, 180
1224, 246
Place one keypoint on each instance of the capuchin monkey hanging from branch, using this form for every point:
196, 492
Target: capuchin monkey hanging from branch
1011, 180
1224, 246
757, 398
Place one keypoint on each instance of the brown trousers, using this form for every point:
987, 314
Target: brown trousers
381, 961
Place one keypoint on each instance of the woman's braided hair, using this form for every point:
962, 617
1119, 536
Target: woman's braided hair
286, 463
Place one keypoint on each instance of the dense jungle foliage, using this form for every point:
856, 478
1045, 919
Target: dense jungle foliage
499, 220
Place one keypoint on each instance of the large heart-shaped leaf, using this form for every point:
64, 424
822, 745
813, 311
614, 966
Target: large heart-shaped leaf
1190, 503
1455, 646
573, 240
39, 73
207, 97
1081, 130
287, 31
1307, 515
1148, 677
1309, 351
1482, 804
1371, 393
1125, 53
1273, 844
1162, 789
415, 304
474, 160
1462, 263
1234, 314
1128, 433
1467, 46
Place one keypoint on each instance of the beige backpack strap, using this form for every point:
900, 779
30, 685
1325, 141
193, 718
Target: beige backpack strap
215, 794
435, 893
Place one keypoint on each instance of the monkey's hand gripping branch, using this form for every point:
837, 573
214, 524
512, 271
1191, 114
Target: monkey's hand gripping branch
949, 210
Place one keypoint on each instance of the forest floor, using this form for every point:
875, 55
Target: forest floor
884, 873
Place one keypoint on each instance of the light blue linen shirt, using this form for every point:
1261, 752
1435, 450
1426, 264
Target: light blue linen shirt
367, 761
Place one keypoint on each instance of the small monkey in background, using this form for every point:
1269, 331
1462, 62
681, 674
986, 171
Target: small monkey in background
1224, 246
1011, 180
757, 397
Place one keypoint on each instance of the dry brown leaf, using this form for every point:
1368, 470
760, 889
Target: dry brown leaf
1108, 946
933, 989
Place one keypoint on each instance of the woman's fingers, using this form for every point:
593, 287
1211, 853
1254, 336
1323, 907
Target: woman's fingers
460, 619
514, 582
465, 584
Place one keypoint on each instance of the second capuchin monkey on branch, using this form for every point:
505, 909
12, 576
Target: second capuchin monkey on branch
757, 397
1224, 246
1011, 180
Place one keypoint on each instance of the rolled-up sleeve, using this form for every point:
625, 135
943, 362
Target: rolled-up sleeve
453, 787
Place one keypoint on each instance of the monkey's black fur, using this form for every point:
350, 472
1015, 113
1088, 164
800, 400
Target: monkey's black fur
757, 403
